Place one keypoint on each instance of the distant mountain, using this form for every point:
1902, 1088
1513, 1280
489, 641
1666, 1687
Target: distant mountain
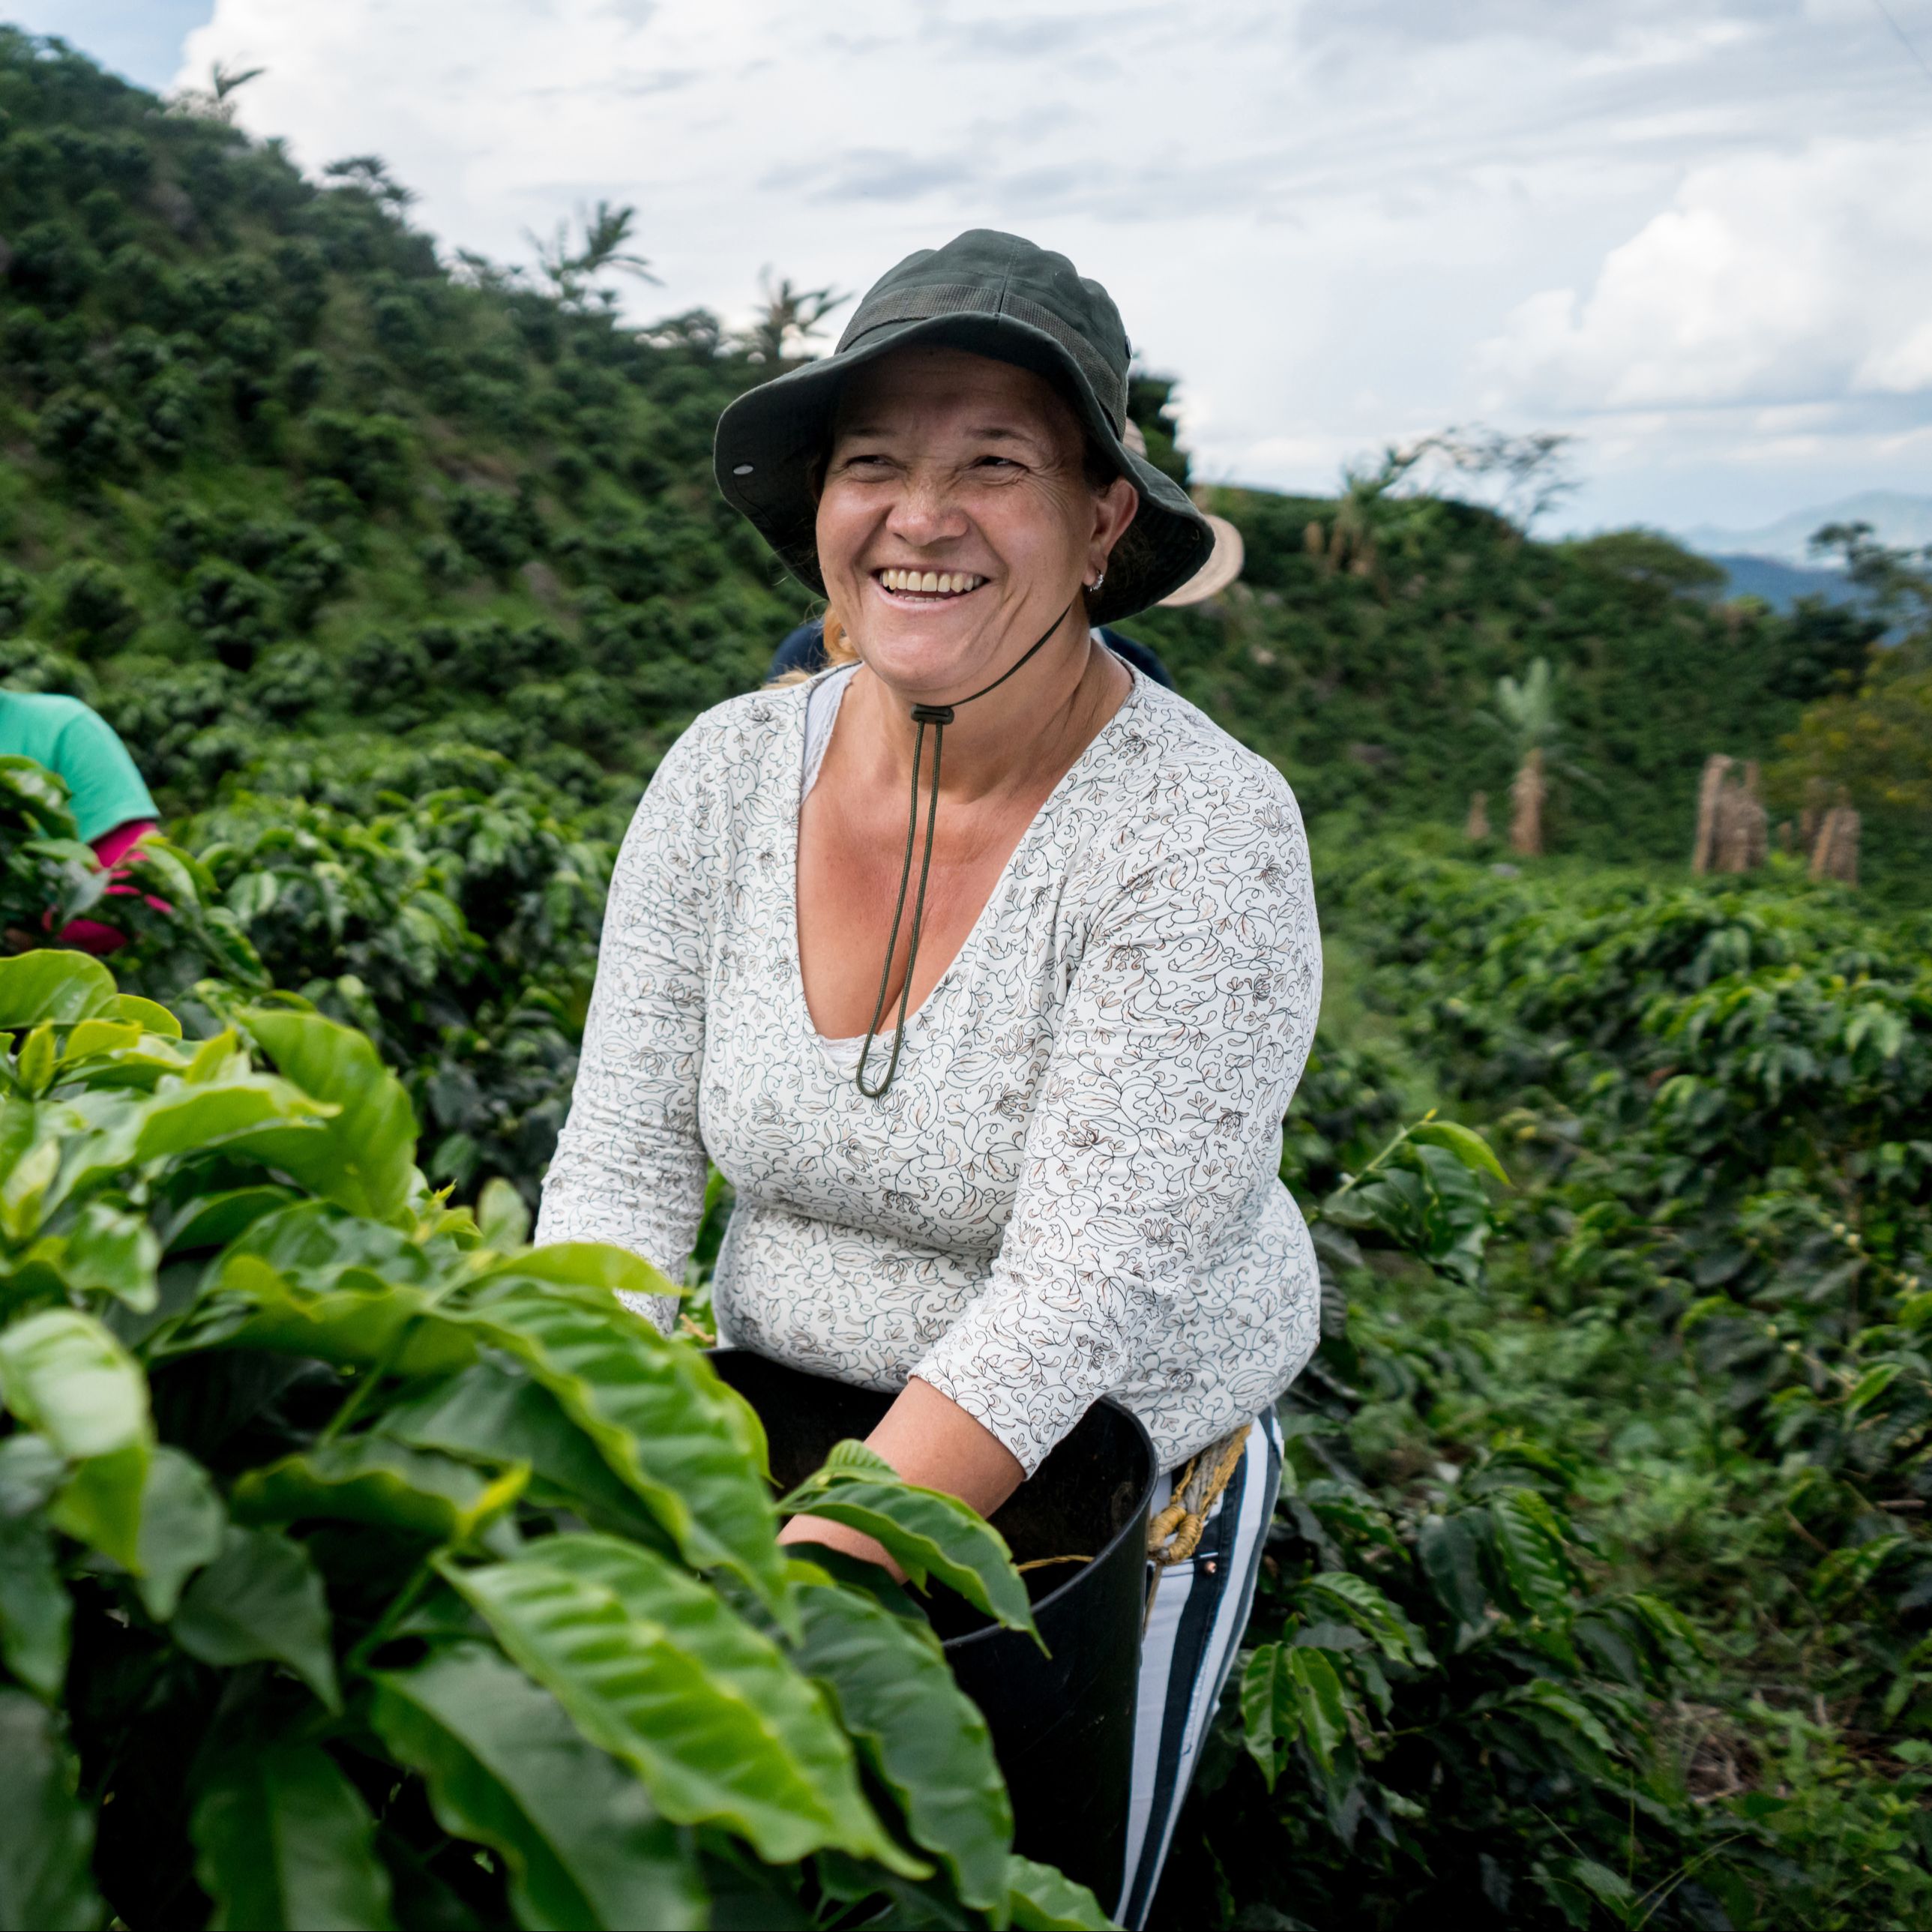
1780, 585
1895, 517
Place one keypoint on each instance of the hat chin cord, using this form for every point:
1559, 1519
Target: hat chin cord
938, 716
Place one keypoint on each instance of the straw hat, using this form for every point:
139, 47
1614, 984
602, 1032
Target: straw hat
1221, 569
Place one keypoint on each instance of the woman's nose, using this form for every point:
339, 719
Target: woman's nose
924, 511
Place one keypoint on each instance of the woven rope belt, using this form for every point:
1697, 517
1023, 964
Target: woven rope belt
1174, 1535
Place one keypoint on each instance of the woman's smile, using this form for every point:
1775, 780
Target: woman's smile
907, 589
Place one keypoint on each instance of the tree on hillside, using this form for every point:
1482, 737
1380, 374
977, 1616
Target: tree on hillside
788, 318
1528, 475
1526, 718
370, 173
572, 270
1896, 582
212, 103
1872, 749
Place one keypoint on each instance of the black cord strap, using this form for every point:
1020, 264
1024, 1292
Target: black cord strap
938, 716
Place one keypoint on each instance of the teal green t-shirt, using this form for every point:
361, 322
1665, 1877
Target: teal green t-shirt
68, 737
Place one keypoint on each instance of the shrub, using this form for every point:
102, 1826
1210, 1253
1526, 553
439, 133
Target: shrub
86, 434
16, 598
93, 608
366, 1566
370, 453
231, 610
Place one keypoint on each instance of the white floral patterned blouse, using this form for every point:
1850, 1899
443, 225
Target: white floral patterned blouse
1070, 1188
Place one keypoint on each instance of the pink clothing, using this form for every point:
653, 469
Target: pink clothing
112, 848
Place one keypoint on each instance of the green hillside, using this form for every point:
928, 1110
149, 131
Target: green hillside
272, 470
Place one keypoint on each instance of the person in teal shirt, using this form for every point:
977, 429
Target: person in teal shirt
113, 808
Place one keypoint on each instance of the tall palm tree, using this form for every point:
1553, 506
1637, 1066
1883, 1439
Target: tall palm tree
1527, 718
790, 318
571, 270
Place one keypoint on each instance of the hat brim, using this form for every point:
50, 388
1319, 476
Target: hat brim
1217, 574
771, 440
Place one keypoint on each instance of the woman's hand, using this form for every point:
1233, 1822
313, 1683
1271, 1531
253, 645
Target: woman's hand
930, 1440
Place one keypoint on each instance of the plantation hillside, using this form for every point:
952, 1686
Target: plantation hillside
276, 473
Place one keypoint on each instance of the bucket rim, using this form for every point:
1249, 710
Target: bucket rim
1136, 1521
1135, 1524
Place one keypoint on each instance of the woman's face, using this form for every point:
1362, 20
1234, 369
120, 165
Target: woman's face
956, 522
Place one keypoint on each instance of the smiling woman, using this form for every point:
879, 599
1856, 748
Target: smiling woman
1089, 907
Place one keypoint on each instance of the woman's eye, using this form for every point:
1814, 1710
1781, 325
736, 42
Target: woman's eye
996, 463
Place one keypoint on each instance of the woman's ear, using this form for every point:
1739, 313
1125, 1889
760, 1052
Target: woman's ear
1114, 508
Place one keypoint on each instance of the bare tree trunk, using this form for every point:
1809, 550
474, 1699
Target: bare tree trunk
1836, 854
1476, 828
1740, 830
1811, 820
1757, 846
1528, 791
1710, 805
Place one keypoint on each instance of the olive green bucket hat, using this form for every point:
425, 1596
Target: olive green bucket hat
997, 296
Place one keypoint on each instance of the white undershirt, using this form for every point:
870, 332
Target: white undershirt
821, 713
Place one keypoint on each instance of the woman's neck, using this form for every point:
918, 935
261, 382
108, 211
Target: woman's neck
1039, 721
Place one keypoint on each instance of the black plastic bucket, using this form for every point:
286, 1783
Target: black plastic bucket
1063, 1725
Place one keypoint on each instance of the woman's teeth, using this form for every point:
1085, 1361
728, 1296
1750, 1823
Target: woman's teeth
931, 583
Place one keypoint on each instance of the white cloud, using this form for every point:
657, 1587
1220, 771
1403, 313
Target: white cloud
1319, 216
1788, 277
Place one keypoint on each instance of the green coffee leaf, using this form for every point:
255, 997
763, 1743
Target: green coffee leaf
91, 1037
35, 1614
1270, 1716
1321, 1703
214, 1220
182, 1525
34, 1065
285, 1843
368, 1479
495, 1413
1535, 1552
1357, 1601
310, 1280
1465, 1143
925, 1741
1041, 1899
502, 1218
110, 1252
55, 986
687, 1447
928, 1534
46, 1841
260, 1600
654, 1668
30, 1469
365, 1158
149, 1016
63, 1375
505, 1768
1451, 1550
1540, 1694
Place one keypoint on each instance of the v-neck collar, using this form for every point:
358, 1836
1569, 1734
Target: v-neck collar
1097, 747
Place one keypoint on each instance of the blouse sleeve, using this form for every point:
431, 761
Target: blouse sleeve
630, 1168
1157, 1124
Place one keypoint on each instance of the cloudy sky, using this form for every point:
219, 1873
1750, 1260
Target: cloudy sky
1697, 234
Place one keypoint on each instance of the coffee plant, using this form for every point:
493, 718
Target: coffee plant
364, 1566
